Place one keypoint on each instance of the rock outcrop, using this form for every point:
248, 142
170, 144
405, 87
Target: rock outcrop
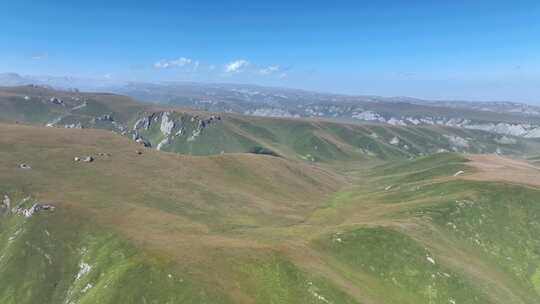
162, 143
6, 203
103, 118
28, 212
167, 124
24, 166
143, 142
56, 100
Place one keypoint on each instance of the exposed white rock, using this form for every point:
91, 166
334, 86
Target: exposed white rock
522, 130
458, 141
88, 159
194, 135
165, 141
459, 173
143, 142
430, 259
396, 122
271, 112
533, 133
501, 128
427, 120
315, 292
144, 122
24, 166
167, 124
414, 121
56, 100
394, 141
53, 122
367, 115
506, 140
87, 287
83, 105
32, 210
84, 269
6, 203
74, 126
14, 236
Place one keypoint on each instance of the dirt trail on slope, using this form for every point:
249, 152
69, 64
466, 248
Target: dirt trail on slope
498, 168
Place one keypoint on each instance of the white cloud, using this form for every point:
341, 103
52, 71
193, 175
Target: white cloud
196, 65
231, 68
180, 62
270, 70
236, 66
40, 56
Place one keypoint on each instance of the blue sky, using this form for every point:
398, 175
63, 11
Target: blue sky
476, 50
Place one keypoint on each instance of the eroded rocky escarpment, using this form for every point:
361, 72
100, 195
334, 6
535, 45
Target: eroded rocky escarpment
161, 129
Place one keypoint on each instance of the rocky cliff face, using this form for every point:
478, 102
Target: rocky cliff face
526, 130
163, 129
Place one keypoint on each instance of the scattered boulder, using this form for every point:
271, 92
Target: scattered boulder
56, 100
27, 98
74, 126
143, 142
459, 173
139, 152
6, 203
86, 159
24, 166
202, 124
34, 209
106, 117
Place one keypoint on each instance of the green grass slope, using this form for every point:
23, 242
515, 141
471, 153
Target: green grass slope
162, 227
434, 238
151, 228
200, 133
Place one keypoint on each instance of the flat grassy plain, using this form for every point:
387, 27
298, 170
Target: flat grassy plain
242, 228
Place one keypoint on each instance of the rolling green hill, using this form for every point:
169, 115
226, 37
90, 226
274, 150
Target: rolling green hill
157, 227
202, 133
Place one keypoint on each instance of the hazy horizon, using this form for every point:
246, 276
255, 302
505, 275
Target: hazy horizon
113, 82
481, 51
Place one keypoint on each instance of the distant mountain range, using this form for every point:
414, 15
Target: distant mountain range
503, 117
